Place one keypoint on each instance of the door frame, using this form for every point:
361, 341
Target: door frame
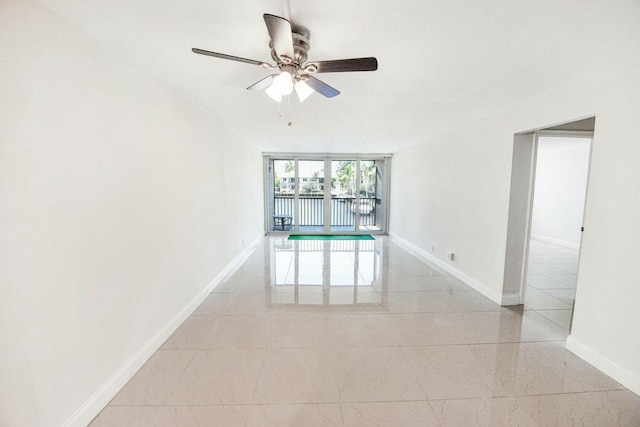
523, 177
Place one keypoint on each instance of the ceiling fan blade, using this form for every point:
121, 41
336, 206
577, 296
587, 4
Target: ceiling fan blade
343, 65
321, 87
262, 84
225, 56
280, 33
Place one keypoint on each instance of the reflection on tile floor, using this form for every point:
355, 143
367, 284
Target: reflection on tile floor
551, 281
361, 333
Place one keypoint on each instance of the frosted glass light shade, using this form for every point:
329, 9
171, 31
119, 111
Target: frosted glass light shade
303, 90
283, 83
274, 93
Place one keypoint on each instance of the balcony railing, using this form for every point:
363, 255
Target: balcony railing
311, 210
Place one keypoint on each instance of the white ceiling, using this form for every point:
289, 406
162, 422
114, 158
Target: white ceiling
441, 62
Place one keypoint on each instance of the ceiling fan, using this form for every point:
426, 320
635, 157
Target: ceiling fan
289, 46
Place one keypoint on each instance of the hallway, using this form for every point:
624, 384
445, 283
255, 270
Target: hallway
355, 333
551, 281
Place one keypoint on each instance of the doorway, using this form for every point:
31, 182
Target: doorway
560, 184
337, 194
556, 281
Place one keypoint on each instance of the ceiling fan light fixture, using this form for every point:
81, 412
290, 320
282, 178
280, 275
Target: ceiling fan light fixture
303, 90
283, 83
274, 92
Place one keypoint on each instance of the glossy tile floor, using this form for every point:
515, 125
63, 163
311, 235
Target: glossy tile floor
361, 333
551, 281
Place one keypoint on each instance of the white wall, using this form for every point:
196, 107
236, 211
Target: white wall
452, 192
561, 183
120, 202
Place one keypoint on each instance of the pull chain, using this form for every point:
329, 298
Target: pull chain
282, 112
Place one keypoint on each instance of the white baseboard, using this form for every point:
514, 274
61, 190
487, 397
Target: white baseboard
547, 239
511, 299
628, 379
92, 407
426, 256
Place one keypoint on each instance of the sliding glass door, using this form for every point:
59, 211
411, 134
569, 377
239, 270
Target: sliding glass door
331, 194
311, 195
343, 193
